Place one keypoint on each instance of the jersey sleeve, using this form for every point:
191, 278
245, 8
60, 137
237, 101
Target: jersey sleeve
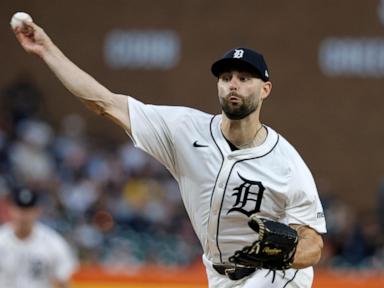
153, 128
304, 206
65, 262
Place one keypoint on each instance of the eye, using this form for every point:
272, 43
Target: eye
226, 77
243, 78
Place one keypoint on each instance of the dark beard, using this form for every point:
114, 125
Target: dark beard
237, 113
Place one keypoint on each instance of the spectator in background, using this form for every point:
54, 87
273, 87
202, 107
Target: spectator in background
380, 205
21, 100
32, 255
29, 156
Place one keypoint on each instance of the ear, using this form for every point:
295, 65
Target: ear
266, 89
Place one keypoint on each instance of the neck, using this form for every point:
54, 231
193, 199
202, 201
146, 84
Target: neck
244, 133
22, 233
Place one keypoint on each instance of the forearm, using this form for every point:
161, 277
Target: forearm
308, 251
79, 83
98, 98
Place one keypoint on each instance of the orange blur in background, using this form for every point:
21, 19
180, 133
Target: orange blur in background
194, 276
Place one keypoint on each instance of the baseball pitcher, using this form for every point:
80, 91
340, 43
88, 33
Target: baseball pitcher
251, 198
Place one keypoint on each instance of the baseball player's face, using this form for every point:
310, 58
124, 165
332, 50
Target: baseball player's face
240, 93
24, 218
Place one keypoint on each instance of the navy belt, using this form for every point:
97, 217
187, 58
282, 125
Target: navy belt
232, 272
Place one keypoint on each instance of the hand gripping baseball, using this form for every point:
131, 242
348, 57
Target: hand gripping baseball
31, 37
274, 249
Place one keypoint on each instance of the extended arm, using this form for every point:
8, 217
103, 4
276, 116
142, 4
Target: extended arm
97, 97
308, 251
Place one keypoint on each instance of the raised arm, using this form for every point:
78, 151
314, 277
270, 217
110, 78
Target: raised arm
97, 97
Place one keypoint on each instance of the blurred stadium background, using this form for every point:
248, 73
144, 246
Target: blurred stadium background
120, 209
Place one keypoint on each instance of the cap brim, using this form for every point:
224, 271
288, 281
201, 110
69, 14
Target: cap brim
228, 64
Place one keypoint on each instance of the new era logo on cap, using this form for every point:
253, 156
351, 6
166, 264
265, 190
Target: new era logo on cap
244, 59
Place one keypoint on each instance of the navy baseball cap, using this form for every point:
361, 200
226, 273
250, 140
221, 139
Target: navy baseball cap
24, 197
242, 59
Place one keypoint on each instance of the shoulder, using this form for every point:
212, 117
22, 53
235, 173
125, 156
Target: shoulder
170, 112
192, 115
5, 230
300, 174
49, 234
173, 118
287, 154
286, 149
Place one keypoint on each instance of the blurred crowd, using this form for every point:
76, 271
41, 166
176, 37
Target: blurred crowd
120, 206
353, 240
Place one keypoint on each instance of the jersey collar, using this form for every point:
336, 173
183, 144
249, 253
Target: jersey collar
259, 151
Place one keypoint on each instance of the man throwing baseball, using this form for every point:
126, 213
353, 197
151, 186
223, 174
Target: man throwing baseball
251, 199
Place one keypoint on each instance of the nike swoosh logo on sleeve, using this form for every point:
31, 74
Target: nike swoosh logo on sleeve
195, 144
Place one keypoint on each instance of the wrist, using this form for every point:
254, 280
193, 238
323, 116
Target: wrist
49, 52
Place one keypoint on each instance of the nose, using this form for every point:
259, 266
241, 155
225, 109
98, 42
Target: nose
233, 84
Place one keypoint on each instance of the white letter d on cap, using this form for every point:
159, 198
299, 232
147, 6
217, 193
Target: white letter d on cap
238, 53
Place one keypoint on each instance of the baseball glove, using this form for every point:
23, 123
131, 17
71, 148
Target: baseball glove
273, 250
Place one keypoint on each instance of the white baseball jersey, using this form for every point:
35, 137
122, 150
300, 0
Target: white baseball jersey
221, 188
36, 261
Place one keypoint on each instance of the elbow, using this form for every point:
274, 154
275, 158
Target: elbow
97, 107
101, 111
308, 252
316, 257
310, 260
320, 245
307, 262
320, 249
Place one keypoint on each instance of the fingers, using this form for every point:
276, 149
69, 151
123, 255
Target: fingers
26, 37
19, 34
33, 26
27, 32
22, 33
32, 38
27, 28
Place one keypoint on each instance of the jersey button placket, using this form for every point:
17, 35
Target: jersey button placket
215, 209
216, 205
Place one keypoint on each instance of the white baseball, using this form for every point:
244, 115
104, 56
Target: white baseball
18, 19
